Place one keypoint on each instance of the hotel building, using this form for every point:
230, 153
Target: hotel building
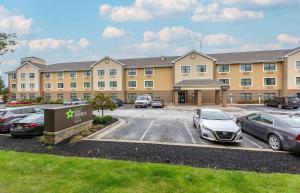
193, 78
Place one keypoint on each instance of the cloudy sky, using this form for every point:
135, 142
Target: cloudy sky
68, 30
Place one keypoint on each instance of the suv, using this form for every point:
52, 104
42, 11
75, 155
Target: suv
10, 115
283, 102
143, 101
75, 102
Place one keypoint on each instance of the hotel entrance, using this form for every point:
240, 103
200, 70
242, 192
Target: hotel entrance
182, 97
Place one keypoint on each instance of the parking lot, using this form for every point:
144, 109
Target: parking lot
176, 126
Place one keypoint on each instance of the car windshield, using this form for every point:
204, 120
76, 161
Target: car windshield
141, 98
214, 115
33, 119
2, 113
293, 121
292, 99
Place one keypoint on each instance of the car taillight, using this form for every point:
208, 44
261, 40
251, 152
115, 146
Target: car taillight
4, 118
298, 138
31, 125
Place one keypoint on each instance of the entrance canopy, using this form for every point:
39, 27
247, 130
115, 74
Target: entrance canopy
200, 84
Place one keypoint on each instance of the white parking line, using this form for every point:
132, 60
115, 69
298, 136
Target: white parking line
189, 132
143, 136
5, 134
253, 142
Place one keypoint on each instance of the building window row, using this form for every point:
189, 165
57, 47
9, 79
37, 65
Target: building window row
248, 67
246, 97
23, 76
200, 68
112, 84
112, 72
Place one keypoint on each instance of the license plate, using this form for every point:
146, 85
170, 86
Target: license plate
19, 127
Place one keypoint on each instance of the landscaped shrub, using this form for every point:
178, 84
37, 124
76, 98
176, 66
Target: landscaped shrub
38, 99
101, 120
107, 118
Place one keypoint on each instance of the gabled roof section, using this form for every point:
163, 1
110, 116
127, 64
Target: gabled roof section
69, 66
196, 52
37, 66
291, 52
107, 57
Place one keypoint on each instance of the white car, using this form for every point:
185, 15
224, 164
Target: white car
215, 125
143, 101
75, 102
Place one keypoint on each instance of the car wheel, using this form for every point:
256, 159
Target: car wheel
279, 106
136, 107
295, 107
275, 143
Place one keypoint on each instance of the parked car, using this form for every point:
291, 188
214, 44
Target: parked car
19, 102
281, 131
283, 102
10, 115
118, 102
75, 102
157, 103
215, 125
32, 125
143, 101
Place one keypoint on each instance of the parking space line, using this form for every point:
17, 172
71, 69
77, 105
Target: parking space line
253, 142
189, 132
143, 136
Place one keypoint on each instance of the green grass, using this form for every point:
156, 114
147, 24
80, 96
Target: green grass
29, 173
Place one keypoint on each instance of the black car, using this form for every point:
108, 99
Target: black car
32, 125
10, 115
118, 102
283, 102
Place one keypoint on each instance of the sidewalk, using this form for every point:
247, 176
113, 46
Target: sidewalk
233, 107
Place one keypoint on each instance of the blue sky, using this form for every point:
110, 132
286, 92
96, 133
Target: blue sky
61, 31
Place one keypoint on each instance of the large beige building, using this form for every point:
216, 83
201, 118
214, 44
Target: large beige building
193, 78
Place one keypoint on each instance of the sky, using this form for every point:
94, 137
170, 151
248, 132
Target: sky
68, 30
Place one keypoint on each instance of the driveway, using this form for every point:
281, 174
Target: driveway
167, 126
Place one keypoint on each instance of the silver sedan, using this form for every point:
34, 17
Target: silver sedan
215, 125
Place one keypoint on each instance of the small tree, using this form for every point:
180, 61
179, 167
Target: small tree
7, 42
102, 102
5, 92
2, 85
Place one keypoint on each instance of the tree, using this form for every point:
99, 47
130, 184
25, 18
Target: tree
5, 93
7, 41
2, 85
102, 102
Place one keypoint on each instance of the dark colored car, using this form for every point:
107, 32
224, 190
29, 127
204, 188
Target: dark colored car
32, 125
283, 102
281, 131
10, 115
157, 103
118, 102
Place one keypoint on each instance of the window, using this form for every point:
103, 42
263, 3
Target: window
246, 67
87, 96
23, 85
270, 81
47, 75
31, 96
73, 85
131, 97
246, 96
23, 75
113, 96
60, 74
148, 71
269, 67
297, 80
268, 96
47, 85
113, 72
47, 96
31, 85
148, 84
113, 84
87, 85
87, 73
13, 77
201, 68
223, 68
224, 80
73, 74
185, 69
298, 65
246, 82
101, 84
131, 72
60, 96
132, 84
13, 86
60, 85
31, 75
101, 72
73, 96
23, 96
13, 96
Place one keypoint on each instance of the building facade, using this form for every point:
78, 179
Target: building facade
193, 78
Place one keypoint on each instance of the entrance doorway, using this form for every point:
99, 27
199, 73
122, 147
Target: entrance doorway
181, 97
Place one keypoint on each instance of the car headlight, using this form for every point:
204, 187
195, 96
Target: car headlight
205, 128
239, 130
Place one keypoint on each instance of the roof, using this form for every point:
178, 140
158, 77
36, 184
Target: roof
69, 66
163, 61
194, 51
200, 82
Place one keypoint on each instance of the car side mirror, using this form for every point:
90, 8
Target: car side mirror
197, 116
231, 118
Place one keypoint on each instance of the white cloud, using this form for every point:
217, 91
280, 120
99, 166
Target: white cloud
214, 13
142, 10
219, 39
14, 23
288, 39
249, 47
112, 32
261, 3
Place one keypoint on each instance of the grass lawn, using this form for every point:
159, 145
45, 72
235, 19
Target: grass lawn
29, 173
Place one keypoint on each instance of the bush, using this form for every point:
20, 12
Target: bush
38, 99
101, 120
107, 118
